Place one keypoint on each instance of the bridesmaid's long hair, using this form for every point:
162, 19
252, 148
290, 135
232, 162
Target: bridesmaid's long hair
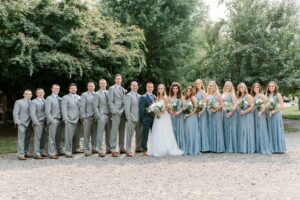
276, 88
216, 87
252, 89
239, 94
232, 90
164, 95
195, 89
175, 84
189, 88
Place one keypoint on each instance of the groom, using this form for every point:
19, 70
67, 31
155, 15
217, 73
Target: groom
147, 118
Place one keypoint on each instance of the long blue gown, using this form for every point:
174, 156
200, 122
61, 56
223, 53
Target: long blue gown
230, 128
192, 134
215, 128
246, 137
178, 125
276, 130
262, 142
203, 127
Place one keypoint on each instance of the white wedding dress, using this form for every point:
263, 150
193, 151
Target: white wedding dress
162, 141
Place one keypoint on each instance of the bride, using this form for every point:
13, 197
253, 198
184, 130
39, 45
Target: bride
162, 140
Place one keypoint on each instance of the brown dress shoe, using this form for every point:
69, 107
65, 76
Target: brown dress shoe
69, 156
129, 154
22, 158
44, 155
87, 153
53, 157
145, 153
114, 154
39, 157
102, 155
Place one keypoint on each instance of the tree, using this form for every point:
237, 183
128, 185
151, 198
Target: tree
168, 25
257, 43
44, 42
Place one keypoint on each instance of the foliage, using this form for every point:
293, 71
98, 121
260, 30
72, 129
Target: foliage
62, 41
258, 42
168, 26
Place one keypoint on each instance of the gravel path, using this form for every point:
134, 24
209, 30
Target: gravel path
207, 176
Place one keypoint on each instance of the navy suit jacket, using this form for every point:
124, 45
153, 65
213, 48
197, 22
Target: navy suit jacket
144, 103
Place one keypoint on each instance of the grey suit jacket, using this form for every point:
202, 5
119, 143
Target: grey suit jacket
132, 107
86, 105
37, 111
53, 108
70, 108
116, 99
100, 104
21, 112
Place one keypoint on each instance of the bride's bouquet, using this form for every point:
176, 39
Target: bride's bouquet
156, 108
188, 108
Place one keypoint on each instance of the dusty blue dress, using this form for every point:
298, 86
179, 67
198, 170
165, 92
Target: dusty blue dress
178, 125
246, 135
215, 128
276, 131
262, 142
202, 126
192, 134
230, 128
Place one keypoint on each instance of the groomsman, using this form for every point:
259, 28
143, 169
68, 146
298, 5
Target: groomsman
38, 117
102, 115
88, 122
147, 118
116, 96
70, 115
53, 112
21, 114
133, 118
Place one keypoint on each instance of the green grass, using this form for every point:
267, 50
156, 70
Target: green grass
8, 145
291, 112
290, 129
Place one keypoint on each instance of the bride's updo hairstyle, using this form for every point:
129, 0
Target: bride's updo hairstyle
164, 94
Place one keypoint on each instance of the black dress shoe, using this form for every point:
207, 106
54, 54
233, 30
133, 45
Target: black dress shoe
122, 151
108, 151
94, 152
28, 156
44, 155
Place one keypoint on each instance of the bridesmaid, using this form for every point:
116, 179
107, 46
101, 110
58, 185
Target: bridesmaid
191, 123
262, 142
177, 115
275, 122
215, 124
230, 118
246, 120
200, 94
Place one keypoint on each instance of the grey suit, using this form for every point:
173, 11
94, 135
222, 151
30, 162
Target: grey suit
21, 115
116, 104
102, 115
38, 117
53, 114
133, 120
70, 114
89, 124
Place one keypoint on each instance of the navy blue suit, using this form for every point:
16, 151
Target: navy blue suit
147, 118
